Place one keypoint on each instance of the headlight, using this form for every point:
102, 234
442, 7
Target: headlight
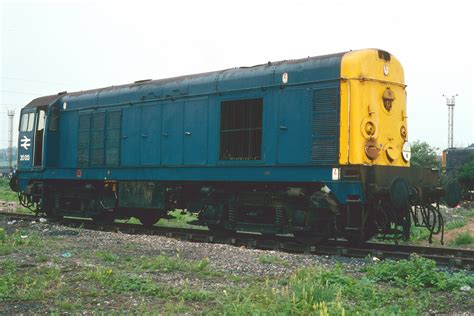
406, 151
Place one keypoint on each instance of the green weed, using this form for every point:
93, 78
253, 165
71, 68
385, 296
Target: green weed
107, 256
10, 243
457, 223
164, 263
275, 260
180, 220
417, 273
30, 284
42, 258
3, 235
462, 239
5, 193
119, 282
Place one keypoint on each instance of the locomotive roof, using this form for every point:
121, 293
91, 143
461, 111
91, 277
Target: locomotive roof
328, 67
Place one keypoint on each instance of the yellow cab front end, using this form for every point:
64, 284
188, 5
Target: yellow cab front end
373, 117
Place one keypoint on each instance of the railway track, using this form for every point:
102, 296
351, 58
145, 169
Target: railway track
461, 258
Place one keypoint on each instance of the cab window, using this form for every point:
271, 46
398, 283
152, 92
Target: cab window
27, 122
41, 120
24, 122
31, 122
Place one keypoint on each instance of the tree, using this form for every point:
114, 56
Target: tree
423, 155
466, 174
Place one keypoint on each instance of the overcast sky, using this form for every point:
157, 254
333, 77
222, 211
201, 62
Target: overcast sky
53, 46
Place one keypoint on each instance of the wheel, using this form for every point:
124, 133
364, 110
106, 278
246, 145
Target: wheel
53, 216
310, 238
104, 218
219, 229
149, 219
357, 240
317, 235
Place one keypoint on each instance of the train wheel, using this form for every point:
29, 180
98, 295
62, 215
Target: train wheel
149, 219
104, 218
53, 216
219, 229
317, 235
359, 239
310, 238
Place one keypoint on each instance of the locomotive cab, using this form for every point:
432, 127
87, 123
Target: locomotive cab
37, 138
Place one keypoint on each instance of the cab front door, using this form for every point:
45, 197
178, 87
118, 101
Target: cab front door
31, 138
26, 136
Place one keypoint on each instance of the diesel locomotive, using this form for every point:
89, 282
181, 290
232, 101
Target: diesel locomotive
315, 147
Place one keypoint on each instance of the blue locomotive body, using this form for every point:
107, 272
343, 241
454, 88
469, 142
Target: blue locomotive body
253, 148
169, 130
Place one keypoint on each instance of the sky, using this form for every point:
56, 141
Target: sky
60, 45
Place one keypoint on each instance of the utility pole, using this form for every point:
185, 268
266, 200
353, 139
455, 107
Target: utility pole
11, 114
450, 102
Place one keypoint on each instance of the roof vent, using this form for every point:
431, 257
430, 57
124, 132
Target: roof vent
62, 92
142, 81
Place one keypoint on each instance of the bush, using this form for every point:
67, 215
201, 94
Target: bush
417, 273
423, 155
466, 174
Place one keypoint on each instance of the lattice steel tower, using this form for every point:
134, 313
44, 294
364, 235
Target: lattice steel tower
450, 102
11, 114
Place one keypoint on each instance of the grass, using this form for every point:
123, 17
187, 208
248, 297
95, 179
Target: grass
164, 263
418, 273
29, 284
180, 220
386, 288
5, 193
463, 239
456, 223
275, 260
15, 242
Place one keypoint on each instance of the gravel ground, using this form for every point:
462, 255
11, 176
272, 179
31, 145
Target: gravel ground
225, 258
75, 251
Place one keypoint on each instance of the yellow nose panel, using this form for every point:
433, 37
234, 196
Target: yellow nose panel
373, 109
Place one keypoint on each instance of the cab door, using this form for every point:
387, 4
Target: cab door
40, 124
26, 136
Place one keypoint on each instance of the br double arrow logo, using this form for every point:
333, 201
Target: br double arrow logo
25, 142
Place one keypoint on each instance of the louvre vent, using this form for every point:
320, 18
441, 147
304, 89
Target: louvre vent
325, 125
83, 148
112, 150
97, 139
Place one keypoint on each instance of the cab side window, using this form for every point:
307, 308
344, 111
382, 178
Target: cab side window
41, 120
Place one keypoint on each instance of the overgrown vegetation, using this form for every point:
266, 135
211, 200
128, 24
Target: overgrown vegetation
180, 219
423, 155
466, 174
463, 239
14, 242
404, 287
5, 193
418, 273
137, 282
272, 259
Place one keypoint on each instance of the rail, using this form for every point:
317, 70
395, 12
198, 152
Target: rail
461, 258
